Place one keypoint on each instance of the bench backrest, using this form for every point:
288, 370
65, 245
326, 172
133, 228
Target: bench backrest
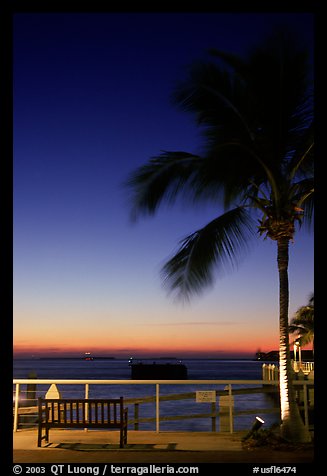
82, 411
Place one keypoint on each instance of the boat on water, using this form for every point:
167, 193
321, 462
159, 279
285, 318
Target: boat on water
158, 371
88, 356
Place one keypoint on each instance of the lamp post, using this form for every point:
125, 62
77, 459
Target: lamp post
300, 360
297, 348
294, 351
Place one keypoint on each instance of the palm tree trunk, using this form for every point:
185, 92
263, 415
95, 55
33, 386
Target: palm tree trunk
292, 427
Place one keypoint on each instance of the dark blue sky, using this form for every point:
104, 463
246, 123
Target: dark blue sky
91, 103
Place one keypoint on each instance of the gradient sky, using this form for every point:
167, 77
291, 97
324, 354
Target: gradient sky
91, 103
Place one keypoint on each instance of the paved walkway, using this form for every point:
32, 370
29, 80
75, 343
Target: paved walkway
75, 446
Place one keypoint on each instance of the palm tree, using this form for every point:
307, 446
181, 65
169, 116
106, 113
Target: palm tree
302, 324
257, 119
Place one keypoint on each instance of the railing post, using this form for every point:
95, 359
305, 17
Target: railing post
87, 389
226, 411
157, 409
136, 416
213, 418
231, 408
305, 403
31, 391
16, 407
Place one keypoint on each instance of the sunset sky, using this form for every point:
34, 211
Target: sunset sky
92, 103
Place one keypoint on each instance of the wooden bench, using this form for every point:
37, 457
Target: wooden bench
82, 413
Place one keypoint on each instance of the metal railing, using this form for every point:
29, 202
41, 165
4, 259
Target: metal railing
226, 409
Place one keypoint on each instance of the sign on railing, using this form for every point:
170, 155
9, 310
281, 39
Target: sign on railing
205, 396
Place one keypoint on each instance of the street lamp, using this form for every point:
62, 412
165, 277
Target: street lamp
300, 360
297, 347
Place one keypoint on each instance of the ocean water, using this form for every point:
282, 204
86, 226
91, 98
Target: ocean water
198, 369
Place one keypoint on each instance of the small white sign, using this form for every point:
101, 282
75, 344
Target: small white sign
205, 396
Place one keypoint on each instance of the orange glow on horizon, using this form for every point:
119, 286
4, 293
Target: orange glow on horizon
207, 346
178, 351
189, 335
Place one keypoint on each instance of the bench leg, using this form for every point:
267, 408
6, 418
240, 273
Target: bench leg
123, 437
39, 436
123, 431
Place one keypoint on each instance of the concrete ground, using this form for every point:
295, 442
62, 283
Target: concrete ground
75, 446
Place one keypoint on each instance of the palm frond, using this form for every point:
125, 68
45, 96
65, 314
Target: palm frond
162, 178
218, 245
233, 61
219, 101
303, 198
302, 156
302, 323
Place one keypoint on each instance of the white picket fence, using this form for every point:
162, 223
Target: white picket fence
303, 370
